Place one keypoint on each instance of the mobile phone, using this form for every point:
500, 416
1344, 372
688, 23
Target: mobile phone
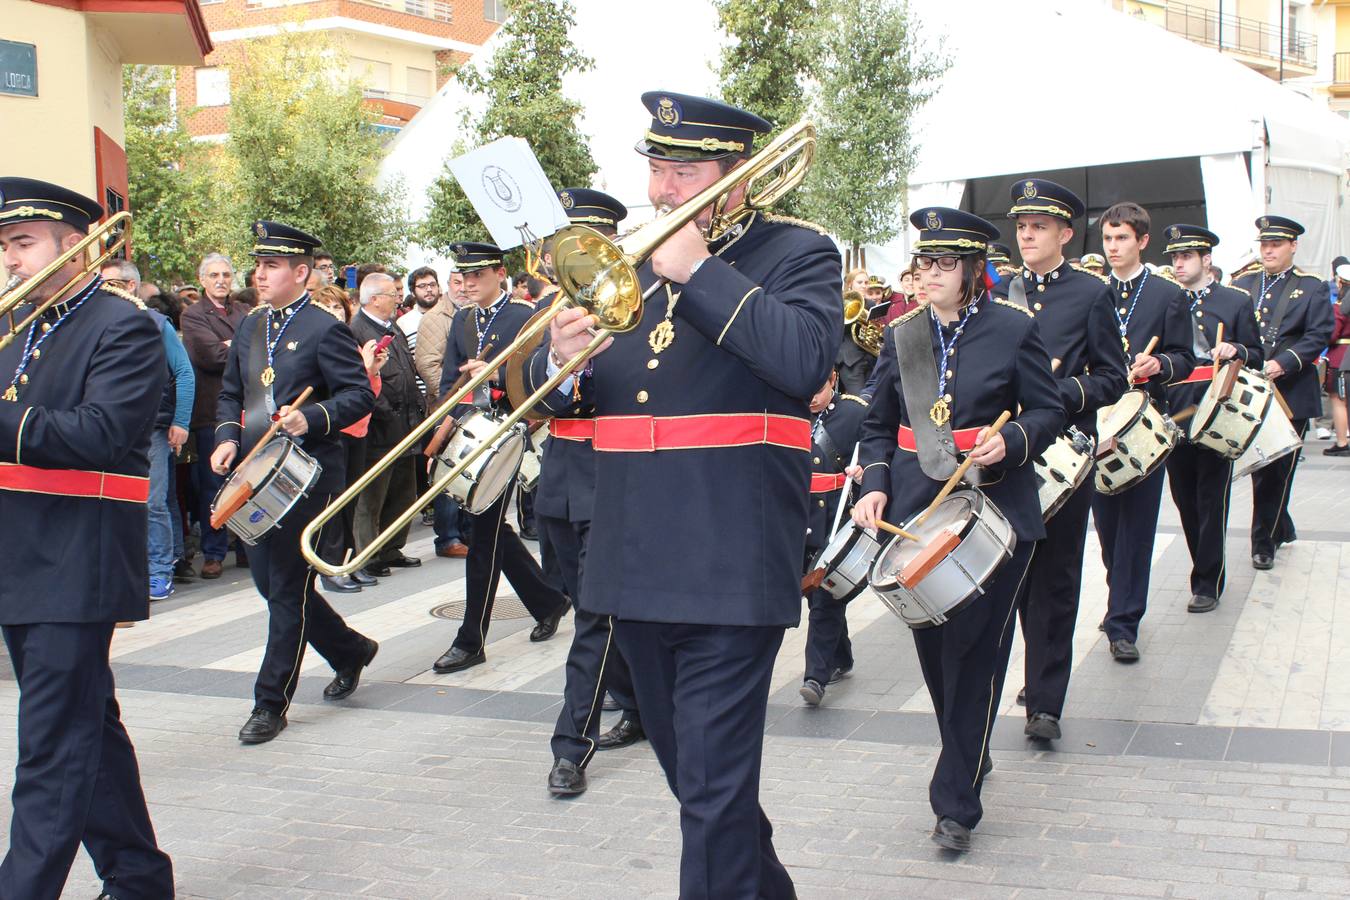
383, 344
351, 277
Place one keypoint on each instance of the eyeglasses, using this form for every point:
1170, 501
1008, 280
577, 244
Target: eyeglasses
945, 263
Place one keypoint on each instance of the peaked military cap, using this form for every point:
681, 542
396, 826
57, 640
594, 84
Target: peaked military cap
1033, 196
470, 256
1278, 228
950, 232
685, 127
585, 206
875, 281
999, 253
277, 239
1093, 261
1189, 237
30, 200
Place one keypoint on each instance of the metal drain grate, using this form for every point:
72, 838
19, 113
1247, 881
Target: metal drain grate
504, 608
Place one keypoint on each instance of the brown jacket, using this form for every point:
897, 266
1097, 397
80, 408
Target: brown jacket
432, 337
205, 331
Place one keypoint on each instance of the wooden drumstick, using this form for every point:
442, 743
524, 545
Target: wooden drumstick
222, 515
1148, 351
962, 469
1185, 414
446, 428
896, 530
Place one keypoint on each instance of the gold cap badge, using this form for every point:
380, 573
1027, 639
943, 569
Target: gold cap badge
566, 199
667, 112
934, 222
1029, 190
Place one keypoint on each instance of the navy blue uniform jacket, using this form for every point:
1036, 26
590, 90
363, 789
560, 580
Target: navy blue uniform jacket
1305, 331
1162, 311
89, 404
566, 487
842, 420
1232, 308
461, 343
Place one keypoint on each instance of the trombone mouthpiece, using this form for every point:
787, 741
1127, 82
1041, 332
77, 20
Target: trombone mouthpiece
11, 283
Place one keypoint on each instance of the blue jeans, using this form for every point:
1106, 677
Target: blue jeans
175, 515
160, 535
215, 541
448, 521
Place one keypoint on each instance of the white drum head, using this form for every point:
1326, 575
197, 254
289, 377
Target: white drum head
952, 515
1112, 420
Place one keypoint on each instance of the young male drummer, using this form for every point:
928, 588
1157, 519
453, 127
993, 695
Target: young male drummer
1293, 311
987, 358
1073, 310
1147, 306
702, 463
285, 345
1200, 478
491, 317
81, 388
834, 434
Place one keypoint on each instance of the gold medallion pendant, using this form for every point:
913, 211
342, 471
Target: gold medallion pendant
941, 412
268, 376
662, 336
11, 393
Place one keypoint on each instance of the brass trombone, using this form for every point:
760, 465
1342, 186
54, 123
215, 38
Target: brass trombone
599, 276
115, 231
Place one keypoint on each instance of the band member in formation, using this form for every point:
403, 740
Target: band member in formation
987, 358
1147, 306
1094, 263
1000, 257
834, 434
1293, 311
563, 504
1073, 310
702, 439
1200, 478
854, 362
285, 345
84, 385
491, 317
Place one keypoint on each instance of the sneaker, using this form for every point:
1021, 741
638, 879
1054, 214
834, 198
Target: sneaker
812, 692
1337, 450
161, 588
1323, 434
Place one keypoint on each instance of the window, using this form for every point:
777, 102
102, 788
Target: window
419, 82
494, 10
372, 74
213, 86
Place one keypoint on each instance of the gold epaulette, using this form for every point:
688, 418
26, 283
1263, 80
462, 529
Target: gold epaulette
1166, 276
328, 309
125, 295
1299, 273
1007, 270
789, 220
257, 309
854, 397
1011, 305
1102, 278
1242, 289
909, 315
525, 303
1249, 269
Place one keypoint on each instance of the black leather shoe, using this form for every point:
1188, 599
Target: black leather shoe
183, 571
566, 779
1263, 561
610, 704
531, 534
1337, 450
549, 627
361, 578
1022, 697
346, 680
339, 585
402, 562
378, 570
261, 727
950, 834
1042, 727
1101, 626
1202, 604
812, 692
457, 660
840, 673
1124, 651
627, 731
987, 765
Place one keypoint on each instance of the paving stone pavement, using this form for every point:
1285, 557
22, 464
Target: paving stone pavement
1215, 768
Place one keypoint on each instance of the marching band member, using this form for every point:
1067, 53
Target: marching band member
853, 363
1293, 311
1147, 306
491, 317
565, 497
834, 434
989, 359
702, 439
286, 344
1200, 478
1073, 310
84, 384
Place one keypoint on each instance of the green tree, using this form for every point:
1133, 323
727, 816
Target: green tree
168, 192
523, 86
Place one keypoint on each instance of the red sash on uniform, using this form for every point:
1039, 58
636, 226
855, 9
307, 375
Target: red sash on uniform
640, 434
965, 438
572, 429
74, 483
823, 483
1198, 374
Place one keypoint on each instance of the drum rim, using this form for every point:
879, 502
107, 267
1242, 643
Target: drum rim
963, 493
1198, 426
1138, 414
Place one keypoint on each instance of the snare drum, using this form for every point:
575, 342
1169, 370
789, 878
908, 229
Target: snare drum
961, 546
846, 559
1228, 427
487, 478
1276, 438
530, 460
1062, 469
1134, 438
278, 475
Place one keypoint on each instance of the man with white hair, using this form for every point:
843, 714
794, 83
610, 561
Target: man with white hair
398, 410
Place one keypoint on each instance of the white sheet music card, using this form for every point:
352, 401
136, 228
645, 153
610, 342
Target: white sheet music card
509, 191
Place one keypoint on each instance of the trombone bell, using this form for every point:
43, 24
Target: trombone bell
594, 272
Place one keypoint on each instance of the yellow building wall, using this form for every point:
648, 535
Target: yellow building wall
1343, 29
398, 54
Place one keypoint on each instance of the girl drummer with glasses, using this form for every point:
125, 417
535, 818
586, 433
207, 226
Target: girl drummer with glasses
986, 358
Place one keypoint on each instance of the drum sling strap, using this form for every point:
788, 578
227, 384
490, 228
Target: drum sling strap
1281, 307
258, 402
821, 435
935, 444
468, 345
1017, 292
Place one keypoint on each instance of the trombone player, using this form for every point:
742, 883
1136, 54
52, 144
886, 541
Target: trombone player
702, 440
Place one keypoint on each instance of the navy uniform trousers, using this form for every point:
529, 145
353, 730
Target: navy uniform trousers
701, 689
827, 642
1126, 525
498, 550
1049, 606
964, 662
594, 662
1271, 523
297, 614
1200, 480
77, 780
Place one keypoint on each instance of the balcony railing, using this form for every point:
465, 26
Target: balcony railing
1342, 74
417, 100
1242, 35
439, 10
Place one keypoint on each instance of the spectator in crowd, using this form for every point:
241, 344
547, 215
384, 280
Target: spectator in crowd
433, 334
189, 295
366, 269
458, 299
1216, 273
1334, 381
168, 437
248, 296
424, 287
325, 267
520, 288
208, 331
399, 409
